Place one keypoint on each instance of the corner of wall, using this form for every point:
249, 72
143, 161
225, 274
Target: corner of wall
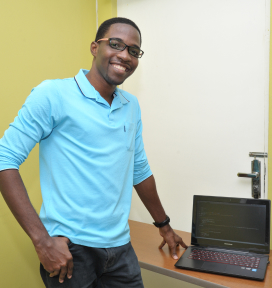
106, 9
270, 126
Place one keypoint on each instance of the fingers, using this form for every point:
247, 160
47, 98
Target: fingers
162, 244
63, 271
173, 249
62, 274
173, 241
182, 244
70, 269
66, 270
173, 252
54, 273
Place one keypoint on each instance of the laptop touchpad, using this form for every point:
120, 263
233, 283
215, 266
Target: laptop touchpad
215, 267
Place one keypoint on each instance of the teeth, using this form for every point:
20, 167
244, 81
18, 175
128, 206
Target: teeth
120, 67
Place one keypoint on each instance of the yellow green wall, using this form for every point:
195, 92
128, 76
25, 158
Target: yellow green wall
106, 9
39, 40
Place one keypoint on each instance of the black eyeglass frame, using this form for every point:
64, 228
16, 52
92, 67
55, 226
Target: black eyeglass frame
106, 39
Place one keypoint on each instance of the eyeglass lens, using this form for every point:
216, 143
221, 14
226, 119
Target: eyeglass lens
119, 45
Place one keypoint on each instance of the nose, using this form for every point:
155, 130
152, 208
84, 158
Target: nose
124, 55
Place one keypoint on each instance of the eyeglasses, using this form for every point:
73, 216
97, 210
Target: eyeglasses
117, 44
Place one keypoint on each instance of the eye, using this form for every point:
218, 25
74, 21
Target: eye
134, 52
116, 44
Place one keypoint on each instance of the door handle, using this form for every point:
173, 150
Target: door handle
249, 175
255, 174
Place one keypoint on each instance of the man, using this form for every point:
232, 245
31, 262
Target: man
91, 154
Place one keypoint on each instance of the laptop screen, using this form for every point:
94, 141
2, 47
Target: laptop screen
231, 223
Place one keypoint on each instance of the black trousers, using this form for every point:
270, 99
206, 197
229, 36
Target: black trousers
116, 267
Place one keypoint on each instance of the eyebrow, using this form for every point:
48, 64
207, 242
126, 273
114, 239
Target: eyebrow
125, 43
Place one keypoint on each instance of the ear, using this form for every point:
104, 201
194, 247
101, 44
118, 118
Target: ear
94, 48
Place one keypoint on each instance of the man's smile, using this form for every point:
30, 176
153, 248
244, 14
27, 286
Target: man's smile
120, 67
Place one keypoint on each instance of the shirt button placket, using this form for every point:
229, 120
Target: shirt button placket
111, 118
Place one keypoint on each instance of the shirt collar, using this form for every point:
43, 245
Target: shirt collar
89, 91
118, 93
84, 85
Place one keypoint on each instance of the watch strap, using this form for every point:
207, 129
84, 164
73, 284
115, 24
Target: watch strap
163, 223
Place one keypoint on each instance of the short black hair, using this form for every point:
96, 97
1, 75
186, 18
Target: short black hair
105, 26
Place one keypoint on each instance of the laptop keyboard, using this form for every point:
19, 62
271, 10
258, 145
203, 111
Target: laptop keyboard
225, 258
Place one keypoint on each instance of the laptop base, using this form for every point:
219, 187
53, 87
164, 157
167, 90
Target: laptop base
223, 269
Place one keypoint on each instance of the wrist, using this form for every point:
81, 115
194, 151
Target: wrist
165, 229
163, 223
40, 240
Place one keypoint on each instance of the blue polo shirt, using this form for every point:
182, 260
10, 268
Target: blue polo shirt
90, 156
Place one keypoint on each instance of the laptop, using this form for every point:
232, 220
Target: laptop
230, 236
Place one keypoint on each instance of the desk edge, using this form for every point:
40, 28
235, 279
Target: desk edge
180, 276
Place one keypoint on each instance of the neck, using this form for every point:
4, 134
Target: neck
103, 87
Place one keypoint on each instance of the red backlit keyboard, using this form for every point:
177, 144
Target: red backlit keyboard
225, 258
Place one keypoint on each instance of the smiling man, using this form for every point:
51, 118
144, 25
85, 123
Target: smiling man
91, 155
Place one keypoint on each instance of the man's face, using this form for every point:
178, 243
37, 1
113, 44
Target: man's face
116, 66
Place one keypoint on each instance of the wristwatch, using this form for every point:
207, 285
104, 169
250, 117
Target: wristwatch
163, 223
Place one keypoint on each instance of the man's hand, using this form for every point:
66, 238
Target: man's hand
53, 252
147, 191
172, 239
56, 257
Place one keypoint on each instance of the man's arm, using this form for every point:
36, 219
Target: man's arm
148, 194
53, 252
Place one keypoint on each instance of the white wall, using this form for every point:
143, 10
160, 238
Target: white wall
203, 88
